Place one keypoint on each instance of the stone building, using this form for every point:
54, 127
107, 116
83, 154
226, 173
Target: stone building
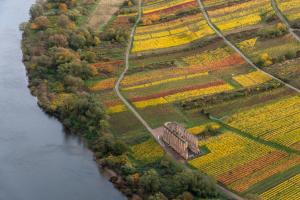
180, 140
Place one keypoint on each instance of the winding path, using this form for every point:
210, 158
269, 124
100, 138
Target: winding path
284, 20
117, 85
134, 111
220, 34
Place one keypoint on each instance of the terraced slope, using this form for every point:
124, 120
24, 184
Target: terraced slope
180, 70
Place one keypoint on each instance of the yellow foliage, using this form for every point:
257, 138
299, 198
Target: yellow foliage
228, 151
287, 190
151, 102
252, 78
266, 59
148, 151
248, 44
183, 95
58, 100
199, 129
277, 121
116, 109
166, 81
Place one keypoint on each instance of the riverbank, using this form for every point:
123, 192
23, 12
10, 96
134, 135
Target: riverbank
63, 59
38, 160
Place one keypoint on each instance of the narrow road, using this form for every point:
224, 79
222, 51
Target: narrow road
117, 85
284, 20
213, 26
134, 111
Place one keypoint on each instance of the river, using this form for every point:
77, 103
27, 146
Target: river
38, 161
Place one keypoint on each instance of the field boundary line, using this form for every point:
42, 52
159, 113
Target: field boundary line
121, 77
220, 34
284, 19
256, 139
135, 112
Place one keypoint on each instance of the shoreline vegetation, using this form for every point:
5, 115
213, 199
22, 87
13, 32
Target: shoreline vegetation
62, 58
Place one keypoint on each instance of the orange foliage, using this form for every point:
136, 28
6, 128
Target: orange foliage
34, 26
151, 18
63, 7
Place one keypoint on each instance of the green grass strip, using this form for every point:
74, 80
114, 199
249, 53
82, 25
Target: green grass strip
273, 181
257, 139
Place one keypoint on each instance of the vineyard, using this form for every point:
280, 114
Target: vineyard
291, 9
179, 70
270, 123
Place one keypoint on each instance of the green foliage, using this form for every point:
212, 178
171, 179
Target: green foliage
196, 183
158, 196
58, 40
76, 68
58, 54
267, 16
77, 41
36, 10
107, 144
84, 114
273, 32
150, 181
70, 3
40, 23
115, 35
206, 101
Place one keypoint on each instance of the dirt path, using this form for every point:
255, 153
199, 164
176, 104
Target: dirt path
220, 34
103, 13
117, 85
284, 20
155, 132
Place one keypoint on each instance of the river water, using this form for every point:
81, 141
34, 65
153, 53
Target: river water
38, 161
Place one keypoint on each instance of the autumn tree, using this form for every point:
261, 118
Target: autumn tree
84, 114
150, 181
36, 10
265, 60
58, 40
77, 69
63, 8
40, 23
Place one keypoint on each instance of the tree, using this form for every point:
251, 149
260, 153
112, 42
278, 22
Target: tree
73, 84
63, 8
63, 21
83, 113
36, 10
58, 40
40, 23
169, 166
44, 61
195, 182
62, 55
70, 3
74, 14
77, 69
187, 196
265, 60
89, 56
150, 181
158, 196
77, 41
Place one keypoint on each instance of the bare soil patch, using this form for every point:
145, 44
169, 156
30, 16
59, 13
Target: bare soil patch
103, 13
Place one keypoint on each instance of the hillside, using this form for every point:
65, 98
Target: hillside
227, 70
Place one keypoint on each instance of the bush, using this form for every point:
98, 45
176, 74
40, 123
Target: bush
40, 23
84, 115
273, 32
